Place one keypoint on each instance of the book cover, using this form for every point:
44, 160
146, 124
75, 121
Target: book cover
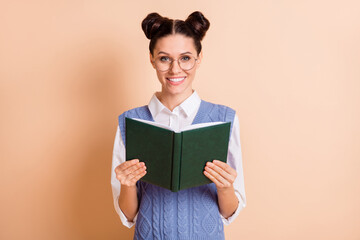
176, 160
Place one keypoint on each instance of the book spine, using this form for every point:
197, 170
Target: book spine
176, 164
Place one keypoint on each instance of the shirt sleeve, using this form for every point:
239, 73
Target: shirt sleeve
117, 159
234, 159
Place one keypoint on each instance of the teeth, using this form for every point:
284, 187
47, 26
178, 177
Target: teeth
176, 79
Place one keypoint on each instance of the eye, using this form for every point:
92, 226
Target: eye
164, 59
185, 58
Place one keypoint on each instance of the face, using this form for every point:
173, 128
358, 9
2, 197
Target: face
176, 81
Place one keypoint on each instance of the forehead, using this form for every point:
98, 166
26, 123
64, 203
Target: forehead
175, 44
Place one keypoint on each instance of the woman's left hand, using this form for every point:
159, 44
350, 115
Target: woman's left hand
221, 174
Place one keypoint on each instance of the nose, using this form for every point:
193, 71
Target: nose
175, 67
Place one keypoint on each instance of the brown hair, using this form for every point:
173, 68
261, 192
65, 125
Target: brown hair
156, 26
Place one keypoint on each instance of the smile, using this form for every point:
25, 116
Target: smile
176, 81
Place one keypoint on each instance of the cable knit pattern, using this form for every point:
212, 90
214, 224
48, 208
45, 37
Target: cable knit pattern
169, 201
156, 197
182, 220
208, 223
197, 210
190, 214
143, 229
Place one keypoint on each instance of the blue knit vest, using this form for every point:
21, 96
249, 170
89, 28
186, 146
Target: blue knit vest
190, 214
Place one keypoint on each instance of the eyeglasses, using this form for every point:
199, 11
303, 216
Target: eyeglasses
164, 63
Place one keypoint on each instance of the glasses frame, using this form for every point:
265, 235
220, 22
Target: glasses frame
171, 63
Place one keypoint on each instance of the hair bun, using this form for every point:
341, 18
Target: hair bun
198, 23
151, 24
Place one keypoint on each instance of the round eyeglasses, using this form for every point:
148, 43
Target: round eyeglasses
164, 63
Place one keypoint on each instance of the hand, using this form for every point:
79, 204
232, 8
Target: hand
129, 172
221, 174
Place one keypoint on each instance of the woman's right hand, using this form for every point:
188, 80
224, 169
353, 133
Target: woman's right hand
129, 172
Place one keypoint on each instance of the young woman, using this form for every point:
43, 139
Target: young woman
195, 213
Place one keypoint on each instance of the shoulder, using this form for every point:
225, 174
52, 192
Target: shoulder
138, 112
226, 112
142, 112
133, 111
217, 106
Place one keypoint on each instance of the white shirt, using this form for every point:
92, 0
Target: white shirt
182, 115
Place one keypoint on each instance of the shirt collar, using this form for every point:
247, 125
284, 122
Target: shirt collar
189, 105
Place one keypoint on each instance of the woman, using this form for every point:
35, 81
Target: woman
195, 213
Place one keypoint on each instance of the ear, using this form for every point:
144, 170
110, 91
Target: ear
152, 60
200, 56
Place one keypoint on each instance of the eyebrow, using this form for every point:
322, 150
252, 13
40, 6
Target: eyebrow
161, 52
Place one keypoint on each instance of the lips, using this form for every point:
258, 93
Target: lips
176, 80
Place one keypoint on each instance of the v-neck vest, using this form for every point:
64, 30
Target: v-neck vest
189, 214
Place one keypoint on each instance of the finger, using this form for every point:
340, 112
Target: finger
129, 173
225, 166
220, 171
126, 165
133, 168
213, 179
137, 177
131, 178
136, 171
216, 176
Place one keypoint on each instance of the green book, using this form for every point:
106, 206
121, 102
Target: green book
176, 160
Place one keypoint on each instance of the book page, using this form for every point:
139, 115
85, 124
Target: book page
190, 127
154, 123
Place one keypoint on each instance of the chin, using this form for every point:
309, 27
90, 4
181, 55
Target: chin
177, 91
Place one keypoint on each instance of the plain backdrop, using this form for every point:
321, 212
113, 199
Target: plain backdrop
291, 69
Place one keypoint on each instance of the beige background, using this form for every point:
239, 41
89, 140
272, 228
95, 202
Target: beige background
289, 68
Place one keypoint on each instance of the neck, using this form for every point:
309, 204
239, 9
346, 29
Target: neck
172, 101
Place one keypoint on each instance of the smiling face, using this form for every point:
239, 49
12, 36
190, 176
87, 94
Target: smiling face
176, 81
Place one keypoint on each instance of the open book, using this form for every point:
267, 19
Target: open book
176, 160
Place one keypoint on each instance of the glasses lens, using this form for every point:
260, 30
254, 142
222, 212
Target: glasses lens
186, 62
162, 63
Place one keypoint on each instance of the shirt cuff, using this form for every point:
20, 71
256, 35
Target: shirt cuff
122, 216
230, 219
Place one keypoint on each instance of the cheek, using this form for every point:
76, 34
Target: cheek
191, 74
160, 75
